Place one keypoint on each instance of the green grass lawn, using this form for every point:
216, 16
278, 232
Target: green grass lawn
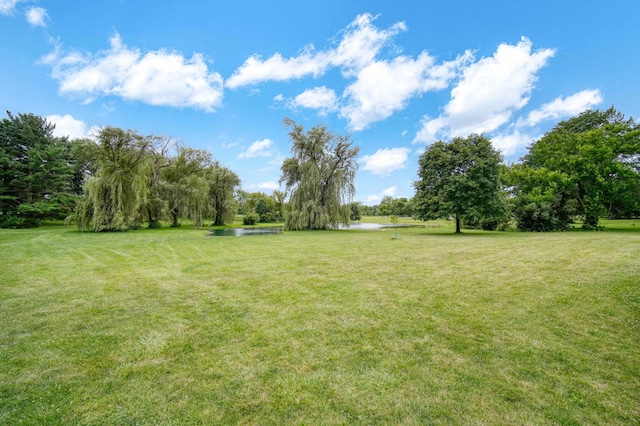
171, 326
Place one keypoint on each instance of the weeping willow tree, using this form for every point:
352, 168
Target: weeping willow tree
115, 195
319, 178
186, 187
222, 187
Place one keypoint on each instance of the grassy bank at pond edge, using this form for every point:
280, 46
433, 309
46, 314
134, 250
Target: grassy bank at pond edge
171, 326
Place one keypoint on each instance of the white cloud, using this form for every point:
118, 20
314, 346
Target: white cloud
161, 77
371, 199
384, 87
67, 125
381, 87
263, 148
389, 192
36, 16
320, 98
569, 106
386, 160
510, 143
269, 186
360, 43
7, 7
488, 93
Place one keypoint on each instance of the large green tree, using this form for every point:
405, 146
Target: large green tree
113, 198
319, 178
459, 179
222, 186
185, 186
35, 171
598, 154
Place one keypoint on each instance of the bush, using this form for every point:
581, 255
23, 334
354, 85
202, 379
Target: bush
250, 219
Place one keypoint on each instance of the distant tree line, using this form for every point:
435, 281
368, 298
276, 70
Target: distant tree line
583, 169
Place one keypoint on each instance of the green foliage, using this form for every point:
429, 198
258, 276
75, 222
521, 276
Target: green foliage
250, 219
270, 208
185, 186
35, 169
460, 179
355, 211
541, 200
222, 186
598, 152
115, 195
319, 177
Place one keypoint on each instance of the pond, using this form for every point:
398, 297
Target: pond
241, 232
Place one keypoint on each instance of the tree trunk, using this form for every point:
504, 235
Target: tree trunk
458, 225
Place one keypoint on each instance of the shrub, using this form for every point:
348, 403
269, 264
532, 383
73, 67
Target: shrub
250, 219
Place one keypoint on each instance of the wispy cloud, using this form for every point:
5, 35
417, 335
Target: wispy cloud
559, 107
361, 41
7, 7
36, 16
160, 77
389, 192
489, 92
385, 161
269, 186
262, 148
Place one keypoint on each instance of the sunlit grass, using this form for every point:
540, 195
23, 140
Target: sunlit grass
172, 326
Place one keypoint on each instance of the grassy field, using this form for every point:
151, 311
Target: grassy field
172, 326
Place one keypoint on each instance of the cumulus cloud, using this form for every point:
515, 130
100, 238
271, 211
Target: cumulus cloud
320, 98
7, 7
160, 77
489, 92
361, 41
36, 16
67, 125
510, 143
263, 148
559, 107
380, 87
384, 87
386, 160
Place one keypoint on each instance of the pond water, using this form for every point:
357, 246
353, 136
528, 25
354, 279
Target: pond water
241, 232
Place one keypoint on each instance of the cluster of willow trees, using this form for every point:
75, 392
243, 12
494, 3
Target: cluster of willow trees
138, 180
121, 180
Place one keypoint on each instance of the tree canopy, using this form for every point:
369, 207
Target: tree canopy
319, 178
460, 179
35, 172
597, 155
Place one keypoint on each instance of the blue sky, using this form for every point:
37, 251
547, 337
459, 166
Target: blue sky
396, 76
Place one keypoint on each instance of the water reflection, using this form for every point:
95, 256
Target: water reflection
373, 226
241, 232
